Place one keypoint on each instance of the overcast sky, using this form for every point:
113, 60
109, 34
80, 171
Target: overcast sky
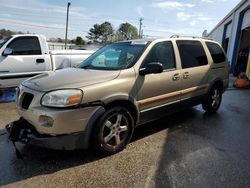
162, 18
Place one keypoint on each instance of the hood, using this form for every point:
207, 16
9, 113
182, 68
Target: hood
69, 78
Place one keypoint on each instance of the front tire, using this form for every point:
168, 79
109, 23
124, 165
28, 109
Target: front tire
213, 100
113, 130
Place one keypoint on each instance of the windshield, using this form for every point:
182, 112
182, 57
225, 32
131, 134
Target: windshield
114, 56
3, 41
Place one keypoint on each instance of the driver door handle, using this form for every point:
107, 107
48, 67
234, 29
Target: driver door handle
40, 60
176, 77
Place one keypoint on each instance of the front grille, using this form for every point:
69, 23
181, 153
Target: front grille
26, 100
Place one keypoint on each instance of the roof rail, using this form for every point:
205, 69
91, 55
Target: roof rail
194, 37
175, 36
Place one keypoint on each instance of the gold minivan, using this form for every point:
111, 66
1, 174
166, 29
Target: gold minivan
119, 87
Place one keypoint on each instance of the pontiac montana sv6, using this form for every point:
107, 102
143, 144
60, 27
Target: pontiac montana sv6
117, 88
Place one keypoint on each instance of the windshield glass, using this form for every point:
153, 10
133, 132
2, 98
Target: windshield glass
114, 56
3, 41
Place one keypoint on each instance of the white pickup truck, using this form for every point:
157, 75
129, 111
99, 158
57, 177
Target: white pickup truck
24, 56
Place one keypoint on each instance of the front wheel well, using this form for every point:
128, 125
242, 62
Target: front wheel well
124, 103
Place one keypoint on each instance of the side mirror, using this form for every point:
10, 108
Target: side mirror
151, 68
7, 51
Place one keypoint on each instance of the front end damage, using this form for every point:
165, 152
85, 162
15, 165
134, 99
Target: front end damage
53, 128
23, 132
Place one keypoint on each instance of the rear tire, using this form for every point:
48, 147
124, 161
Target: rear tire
113, 130
213, 100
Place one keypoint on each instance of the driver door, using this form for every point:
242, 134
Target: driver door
159, 91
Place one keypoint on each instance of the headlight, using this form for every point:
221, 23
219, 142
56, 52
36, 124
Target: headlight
62, 98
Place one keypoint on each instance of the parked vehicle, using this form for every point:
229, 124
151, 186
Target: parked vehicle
24, 56
101, 102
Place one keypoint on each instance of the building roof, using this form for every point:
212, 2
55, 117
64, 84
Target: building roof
242, 2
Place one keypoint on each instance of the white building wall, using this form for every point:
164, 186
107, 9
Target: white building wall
229, 30
235, 20
217, 32
246, 20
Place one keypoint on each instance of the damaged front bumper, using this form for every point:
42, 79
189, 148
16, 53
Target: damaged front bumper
22, 131
54, 128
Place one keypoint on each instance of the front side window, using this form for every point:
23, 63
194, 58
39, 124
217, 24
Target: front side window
192, 53
25, 46
114, 56
163, 53
216, 52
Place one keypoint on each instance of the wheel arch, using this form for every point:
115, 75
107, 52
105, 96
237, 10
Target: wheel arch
125, 101
118, 100
217, 82
209, 102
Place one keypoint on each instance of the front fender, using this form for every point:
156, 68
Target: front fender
122, 97
90, 125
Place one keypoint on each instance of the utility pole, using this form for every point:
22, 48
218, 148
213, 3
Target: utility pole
140, 28
67, 20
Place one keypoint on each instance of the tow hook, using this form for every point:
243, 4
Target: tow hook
24, 136
18, 132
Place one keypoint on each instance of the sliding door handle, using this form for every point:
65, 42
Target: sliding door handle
186, 75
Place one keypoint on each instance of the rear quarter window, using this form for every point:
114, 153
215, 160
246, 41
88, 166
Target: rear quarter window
216, 52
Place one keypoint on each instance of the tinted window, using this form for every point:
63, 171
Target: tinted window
192, 53
163, 53
216, 52
25, 46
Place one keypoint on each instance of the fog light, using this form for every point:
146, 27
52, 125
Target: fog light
46, 121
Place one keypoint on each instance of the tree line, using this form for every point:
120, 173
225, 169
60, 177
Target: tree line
105, 33
100, 33
6, 33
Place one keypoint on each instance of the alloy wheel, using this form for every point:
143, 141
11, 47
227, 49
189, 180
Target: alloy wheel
216, 98
115, 130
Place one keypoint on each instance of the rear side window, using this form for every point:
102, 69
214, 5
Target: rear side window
163, 53
192, 53
25, 46
216, 52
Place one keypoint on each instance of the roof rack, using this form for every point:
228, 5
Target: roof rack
194, 37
